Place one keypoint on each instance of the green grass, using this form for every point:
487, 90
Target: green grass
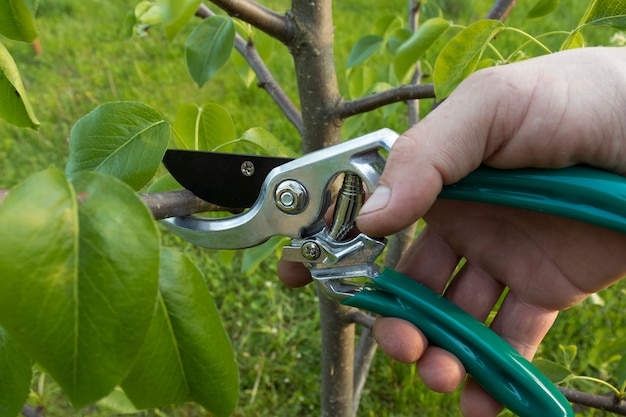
274, 330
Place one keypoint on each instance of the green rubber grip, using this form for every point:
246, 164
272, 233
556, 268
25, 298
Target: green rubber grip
492, 362
579, 192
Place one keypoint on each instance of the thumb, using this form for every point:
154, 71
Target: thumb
443, 148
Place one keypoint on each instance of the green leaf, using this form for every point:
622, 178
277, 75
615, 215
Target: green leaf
461, 55
187, 354
208, 48
253, 257
123, 139
117, 403
414, 48
14, 105
542, 8
553, 371
83, 276
264, 141
15, 375
397, 39
176, 14
606, 12
17, 21
620, 372
203, 128
360, 79
363, 49
148, 13
163, 184
574, 40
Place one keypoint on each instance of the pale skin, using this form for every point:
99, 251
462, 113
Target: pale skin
550, 112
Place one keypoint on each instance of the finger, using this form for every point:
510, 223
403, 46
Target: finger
430, 260
293, 274
440, 370
434, 152
474, 290
523, 325
476, 402
399, 339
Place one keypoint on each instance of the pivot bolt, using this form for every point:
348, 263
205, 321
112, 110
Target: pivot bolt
311, 251
291, 197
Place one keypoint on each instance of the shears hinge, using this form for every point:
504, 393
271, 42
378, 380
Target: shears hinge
342, 267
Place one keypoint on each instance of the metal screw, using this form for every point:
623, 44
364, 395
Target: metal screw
311, 251
291, 197
247, 168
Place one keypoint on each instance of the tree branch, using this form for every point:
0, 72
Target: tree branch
178, 203
602, 402
314, 60
169, 204
363, 357
274, 24
266, 79
393, 95
501, 9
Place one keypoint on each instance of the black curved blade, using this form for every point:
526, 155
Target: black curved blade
228, 180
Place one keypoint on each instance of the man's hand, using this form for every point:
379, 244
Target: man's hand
549, 112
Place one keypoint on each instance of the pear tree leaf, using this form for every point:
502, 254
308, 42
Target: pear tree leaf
208, 48
263, 141
415, 46
605, 12
187, 354
542, 8
253, 257
462, 54
363, 49
124, 139
17, 21
620, 372
360, 79
15, 375
555, 372
164, 183
117, 403
80, 263
148, 13
203, 128
176, 14
14, 105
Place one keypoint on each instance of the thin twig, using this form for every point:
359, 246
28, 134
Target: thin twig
169, 204
361, 318
608, 403
363, 357
501, 9
274, 24
393, 95
413, 105
266, 79
177, 203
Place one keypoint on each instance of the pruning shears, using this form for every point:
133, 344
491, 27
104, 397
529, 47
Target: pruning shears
290, 197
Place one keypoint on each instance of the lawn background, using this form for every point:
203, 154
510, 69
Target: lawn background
87, 61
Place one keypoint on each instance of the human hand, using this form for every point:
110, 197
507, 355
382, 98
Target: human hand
547, 112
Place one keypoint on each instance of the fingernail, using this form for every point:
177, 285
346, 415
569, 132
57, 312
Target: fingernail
377, 201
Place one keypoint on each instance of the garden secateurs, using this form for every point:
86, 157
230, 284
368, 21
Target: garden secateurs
290, 197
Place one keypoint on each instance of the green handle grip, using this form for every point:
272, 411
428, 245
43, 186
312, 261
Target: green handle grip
579, 192
492, 362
